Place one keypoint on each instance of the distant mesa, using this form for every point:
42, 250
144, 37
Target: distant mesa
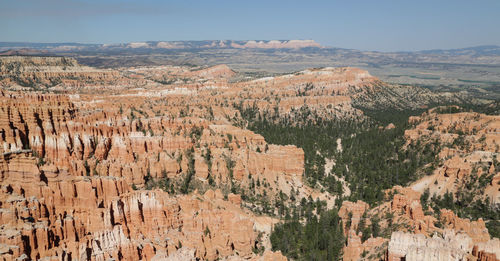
14, 48
251, 44
138, 45
23, 51
292, 44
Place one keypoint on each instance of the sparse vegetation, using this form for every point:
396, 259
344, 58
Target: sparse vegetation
373, 159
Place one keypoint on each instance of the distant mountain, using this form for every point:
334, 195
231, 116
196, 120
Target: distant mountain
230, 44
487, 54
482, 50
209, 44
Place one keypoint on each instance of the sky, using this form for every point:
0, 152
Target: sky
379, 25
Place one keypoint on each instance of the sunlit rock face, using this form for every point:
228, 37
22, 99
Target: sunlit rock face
98, 172
448, 246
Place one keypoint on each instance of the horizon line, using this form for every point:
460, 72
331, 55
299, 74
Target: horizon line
257, 40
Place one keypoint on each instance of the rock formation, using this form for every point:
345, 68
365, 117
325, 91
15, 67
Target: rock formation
418, 237
469, 147
155, 163
38, 72
448, 246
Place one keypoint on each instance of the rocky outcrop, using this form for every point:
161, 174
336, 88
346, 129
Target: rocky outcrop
97, 218
468, 148
449, 246
351, 213
218, 71
475, 229
35, 72
417, 237
355, 249
103, 144
67, 174
406, 206
405, 246
479, 131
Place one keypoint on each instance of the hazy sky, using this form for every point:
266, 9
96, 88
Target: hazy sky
368, 25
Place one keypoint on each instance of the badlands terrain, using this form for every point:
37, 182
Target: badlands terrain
175, 162
475, 69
